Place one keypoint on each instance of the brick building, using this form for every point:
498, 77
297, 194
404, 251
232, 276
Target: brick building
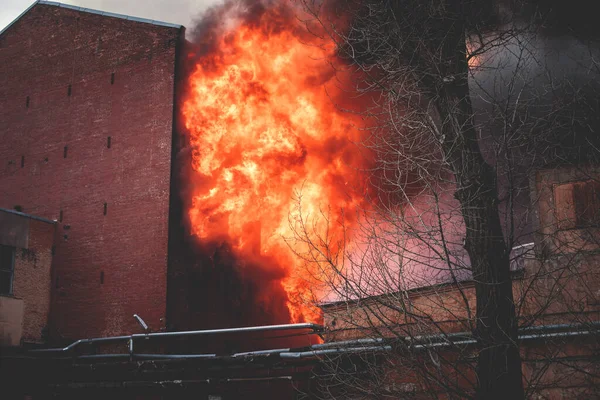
25, 258
556, 289
87, 111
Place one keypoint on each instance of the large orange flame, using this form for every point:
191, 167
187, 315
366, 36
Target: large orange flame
263, 126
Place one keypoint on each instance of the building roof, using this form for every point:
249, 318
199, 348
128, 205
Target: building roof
92, 11
22, 214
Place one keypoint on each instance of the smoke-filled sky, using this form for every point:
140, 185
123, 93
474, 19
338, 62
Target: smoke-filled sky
183, 12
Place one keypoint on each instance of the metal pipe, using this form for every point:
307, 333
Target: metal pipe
265, 378
442, 344
467, 335
131, 348
556, 334
594, 324
521, 337
317, 348
314, 327
146, 356
265, 328
172, 356
346, 342
287, 353
260, 352
315, 353
141, 322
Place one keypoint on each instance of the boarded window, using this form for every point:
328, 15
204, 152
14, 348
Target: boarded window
577, 204
7, 263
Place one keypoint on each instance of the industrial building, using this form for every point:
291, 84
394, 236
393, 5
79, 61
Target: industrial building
90, 235
87, 109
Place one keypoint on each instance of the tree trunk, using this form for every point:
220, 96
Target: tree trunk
499, 363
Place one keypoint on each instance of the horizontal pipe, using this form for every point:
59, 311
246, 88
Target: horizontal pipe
324, 348
145, 356
346, 342
467, 335
315, 353
442, 344
556, 334
260, 352
172, 356
594, 324
265, 328
264, 378
441, 336
287, 353
521, 337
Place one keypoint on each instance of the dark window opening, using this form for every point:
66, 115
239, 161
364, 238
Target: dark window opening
22, 161
27, 102
105, 208
69, 91
18, 208
65, 150
60, 216
102, 277
7, 264
108, 140
586, 197
577, 204
112, 78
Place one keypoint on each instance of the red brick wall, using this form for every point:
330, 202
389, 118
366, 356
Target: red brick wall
46, 52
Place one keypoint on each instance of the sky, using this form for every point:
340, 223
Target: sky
183, 12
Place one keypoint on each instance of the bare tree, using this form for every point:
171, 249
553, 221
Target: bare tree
432, 255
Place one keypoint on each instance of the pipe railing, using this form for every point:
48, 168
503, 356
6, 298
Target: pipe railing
312, 328
329, 348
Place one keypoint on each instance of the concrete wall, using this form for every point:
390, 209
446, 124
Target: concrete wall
69, 80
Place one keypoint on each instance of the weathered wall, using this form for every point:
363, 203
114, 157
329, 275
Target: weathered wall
24, 314
557, 282
11, 321
69, 80
32, 279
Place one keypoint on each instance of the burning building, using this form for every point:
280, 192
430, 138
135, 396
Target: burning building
93, 139
182, 178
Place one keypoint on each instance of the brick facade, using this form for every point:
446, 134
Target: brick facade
87, 107
556, 284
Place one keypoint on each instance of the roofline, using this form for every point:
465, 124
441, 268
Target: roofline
18, 18
22, 214
417, 289
93, 11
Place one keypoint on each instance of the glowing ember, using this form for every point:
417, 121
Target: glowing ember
263, 126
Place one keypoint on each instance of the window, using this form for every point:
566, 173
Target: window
7, 262
577, 204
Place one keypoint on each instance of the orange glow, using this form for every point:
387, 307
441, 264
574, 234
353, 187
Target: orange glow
263, 126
